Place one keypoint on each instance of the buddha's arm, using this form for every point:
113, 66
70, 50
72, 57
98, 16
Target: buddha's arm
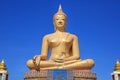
75, 50
44, 50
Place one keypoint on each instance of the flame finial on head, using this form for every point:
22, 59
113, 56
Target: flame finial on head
60, 7
60, 11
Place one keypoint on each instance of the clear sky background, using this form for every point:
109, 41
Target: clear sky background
23, 23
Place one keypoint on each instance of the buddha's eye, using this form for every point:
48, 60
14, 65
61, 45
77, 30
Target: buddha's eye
56, 19
63, 19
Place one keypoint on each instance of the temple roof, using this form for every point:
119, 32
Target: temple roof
2, 65
117, 66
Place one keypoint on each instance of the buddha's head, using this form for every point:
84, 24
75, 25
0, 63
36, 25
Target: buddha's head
60, 20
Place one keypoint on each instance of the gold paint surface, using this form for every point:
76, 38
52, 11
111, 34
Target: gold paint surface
64, 47
117, 66
2, 65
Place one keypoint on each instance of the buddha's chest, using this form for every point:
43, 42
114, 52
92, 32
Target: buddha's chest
60, 41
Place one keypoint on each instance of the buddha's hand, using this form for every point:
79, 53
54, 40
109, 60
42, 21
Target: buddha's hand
36, 60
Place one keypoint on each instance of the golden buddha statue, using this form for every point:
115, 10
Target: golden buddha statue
65, 49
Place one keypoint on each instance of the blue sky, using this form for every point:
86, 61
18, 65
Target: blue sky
23, 23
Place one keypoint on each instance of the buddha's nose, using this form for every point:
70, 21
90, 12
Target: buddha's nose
60, 22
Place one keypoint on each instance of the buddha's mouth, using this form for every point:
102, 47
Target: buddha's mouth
60, 24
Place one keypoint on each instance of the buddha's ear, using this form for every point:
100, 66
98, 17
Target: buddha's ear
66, 21
54, 24
54, 28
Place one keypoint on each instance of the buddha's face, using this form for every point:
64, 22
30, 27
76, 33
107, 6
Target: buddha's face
60, 21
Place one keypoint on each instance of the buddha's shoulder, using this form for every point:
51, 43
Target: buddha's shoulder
48, 36
72, 35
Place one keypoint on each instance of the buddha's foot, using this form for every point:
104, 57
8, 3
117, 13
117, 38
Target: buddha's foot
57, 66
61, 67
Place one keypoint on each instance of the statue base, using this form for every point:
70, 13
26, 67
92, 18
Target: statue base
60, 75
